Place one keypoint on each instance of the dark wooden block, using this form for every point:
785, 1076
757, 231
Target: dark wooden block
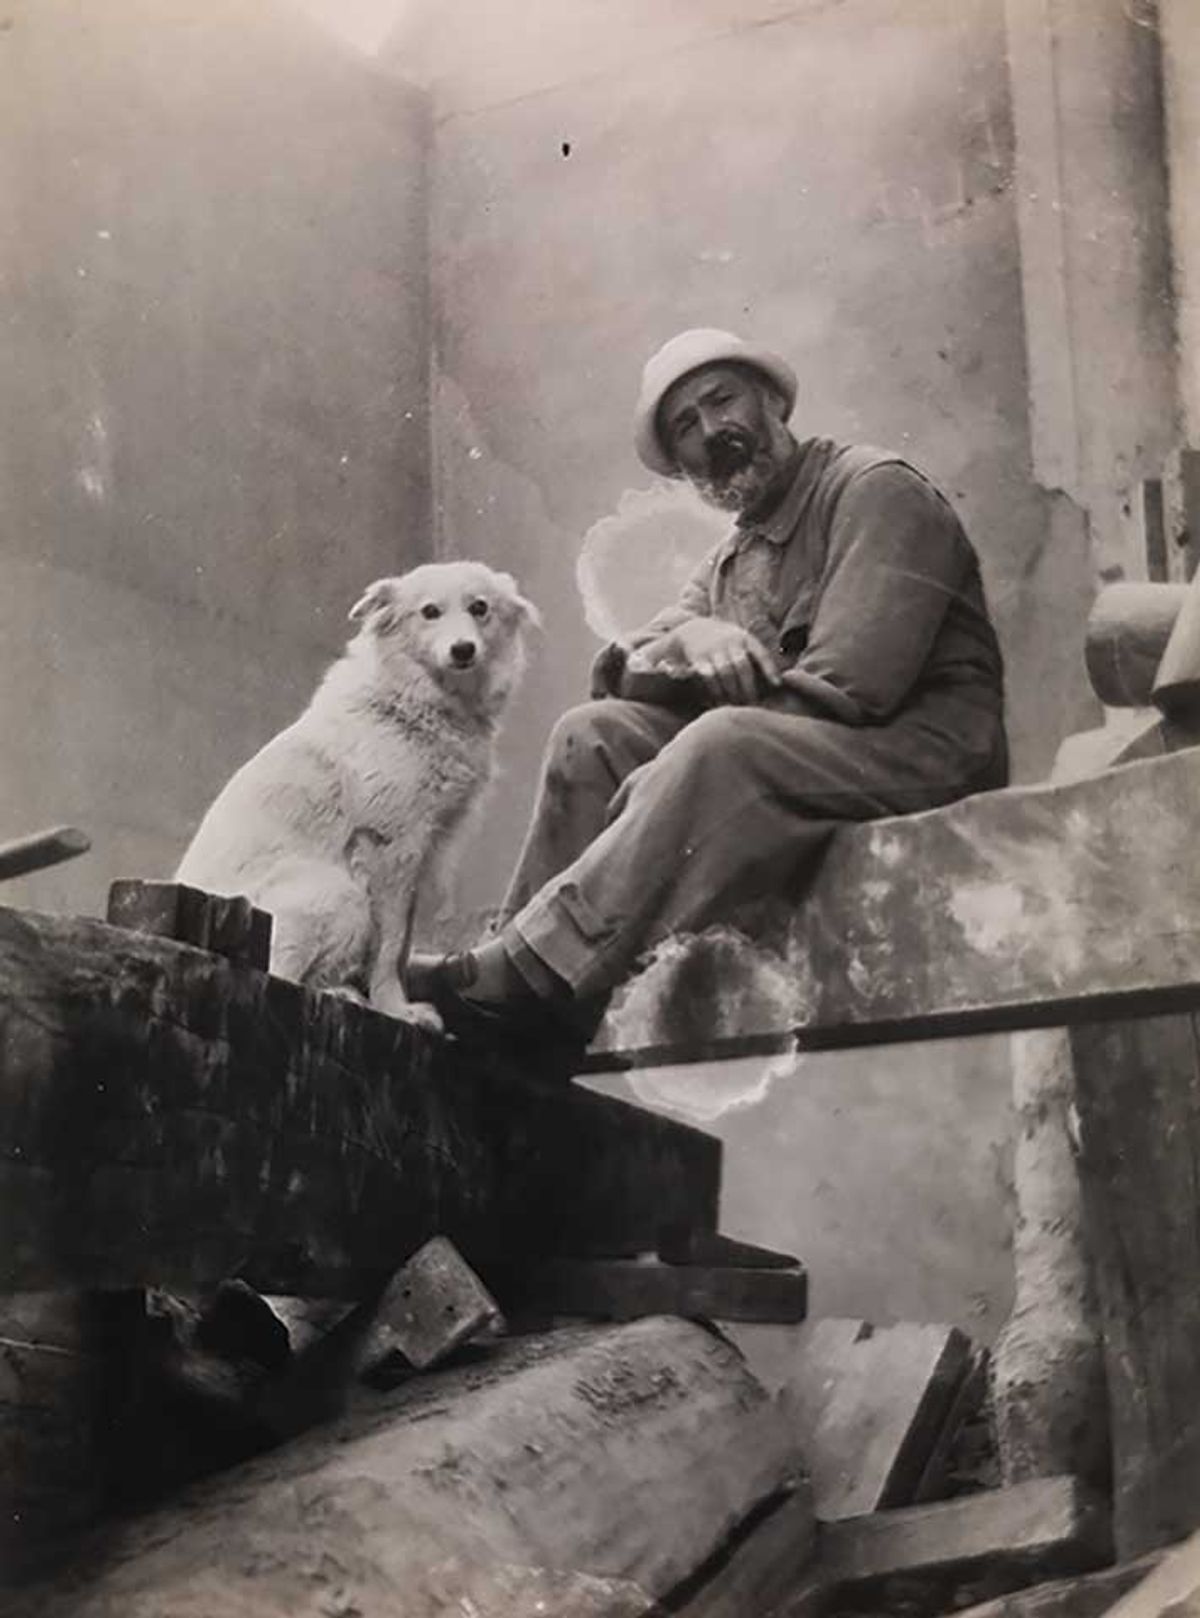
1085, 1596
228, 926
682, 1246
624, 1289
170, 1119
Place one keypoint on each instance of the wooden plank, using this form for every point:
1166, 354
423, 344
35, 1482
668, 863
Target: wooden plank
870, 1403
1010, 1536
1008, 910
1086, 1596
167, 1117
632, 1453
35, 852
625, 1289
965, 1404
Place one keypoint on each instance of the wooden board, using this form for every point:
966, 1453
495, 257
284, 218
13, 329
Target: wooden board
870, 1404
639, 1454
1086, 1596
621, 1289
1009, 910
1019, 1534
168, 1117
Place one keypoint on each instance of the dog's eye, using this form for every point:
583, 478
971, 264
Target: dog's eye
479, 608
430, 610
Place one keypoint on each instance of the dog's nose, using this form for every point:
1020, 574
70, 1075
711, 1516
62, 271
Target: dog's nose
462, 653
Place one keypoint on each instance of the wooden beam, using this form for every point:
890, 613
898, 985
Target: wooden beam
624, 1289
40, 849
167, 1117
1028, 908
1136, 1087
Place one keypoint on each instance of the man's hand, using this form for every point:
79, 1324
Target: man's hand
731, 665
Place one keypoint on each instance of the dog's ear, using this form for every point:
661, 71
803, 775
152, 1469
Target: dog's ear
524, 606
379, 597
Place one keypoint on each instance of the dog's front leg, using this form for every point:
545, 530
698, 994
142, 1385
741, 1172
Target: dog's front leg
387, 987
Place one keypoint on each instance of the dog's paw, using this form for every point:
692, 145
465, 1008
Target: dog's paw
422, 1015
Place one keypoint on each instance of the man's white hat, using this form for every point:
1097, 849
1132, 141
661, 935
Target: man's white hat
679, 358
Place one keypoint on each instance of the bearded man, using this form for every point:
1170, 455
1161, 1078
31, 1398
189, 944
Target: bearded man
831, 660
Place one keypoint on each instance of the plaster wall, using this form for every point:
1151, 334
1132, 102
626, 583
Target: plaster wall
837, 180
213, 402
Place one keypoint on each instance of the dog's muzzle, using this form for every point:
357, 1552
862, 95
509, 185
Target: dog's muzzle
462, 654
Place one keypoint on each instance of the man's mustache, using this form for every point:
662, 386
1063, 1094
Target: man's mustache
728, 451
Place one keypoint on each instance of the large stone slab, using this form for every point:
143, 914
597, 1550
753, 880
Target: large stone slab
168, 1117
1031, 907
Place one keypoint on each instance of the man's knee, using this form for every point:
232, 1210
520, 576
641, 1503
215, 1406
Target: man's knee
583, 739
717, 739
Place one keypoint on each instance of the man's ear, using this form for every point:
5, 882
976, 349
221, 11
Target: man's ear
378, 603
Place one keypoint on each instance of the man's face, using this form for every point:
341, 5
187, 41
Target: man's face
723, 426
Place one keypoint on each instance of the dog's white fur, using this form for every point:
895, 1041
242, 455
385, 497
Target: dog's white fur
339, 821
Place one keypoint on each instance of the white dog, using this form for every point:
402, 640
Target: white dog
336, 825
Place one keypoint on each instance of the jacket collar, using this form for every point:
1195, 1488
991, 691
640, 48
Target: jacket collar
781, 525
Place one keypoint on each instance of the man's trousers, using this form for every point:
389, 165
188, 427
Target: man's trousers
650, 822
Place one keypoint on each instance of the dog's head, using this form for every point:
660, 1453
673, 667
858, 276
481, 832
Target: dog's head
463, 623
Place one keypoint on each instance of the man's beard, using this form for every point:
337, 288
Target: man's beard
741, 471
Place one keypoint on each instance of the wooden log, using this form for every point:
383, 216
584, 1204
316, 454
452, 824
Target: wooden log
1177, 682
231, 927
1003, 1538
1009, 910
35, 852
1127, 634
869, 1403
625, 1289
640, 1453
1085, 1596
169, 1118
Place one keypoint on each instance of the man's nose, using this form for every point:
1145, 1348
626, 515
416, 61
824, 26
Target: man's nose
462, 653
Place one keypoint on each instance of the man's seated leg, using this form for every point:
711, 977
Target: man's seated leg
591, 751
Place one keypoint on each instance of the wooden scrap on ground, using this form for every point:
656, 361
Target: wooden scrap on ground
432, 1304
1085, 1596
876, 1408
1170, 1590
21, 855
993, 1542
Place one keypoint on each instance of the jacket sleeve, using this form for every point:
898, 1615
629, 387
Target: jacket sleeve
695, 601
897, 557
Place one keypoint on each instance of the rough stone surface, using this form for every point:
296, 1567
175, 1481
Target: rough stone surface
997, 912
